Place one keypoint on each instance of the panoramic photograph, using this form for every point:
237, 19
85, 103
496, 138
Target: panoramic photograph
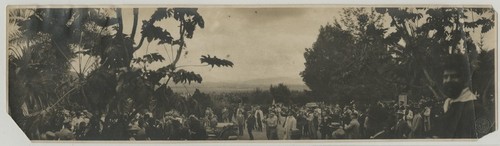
137, 73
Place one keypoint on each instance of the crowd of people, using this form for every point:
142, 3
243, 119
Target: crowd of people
319, 121
82, 125
424, 118
333, 121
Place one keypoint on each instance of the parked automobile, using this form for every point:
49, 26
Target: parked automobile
312, 105
223, 131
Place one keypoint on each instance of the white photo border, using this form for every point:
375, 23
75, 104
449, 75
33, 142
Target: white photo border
10, 134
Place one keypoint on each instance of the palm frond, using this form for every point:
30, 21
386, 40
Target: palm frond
18, 15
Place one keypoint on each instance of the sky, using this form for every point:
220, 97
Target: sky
261, 42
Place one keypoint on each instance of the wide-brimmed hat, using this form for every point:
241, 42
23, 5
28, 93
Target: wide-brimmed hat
49, 135
334, 124
66, 121
134, 128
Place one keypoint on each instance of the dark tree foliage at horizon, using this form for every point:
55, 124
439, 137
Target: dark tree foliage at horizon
357, 58
281, 93
348, 60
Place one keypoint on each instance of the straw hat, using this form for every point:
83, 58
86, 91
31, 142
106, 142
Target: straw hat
134, 128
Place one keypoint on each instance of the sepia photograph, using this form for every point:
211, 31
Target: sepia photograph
243, 73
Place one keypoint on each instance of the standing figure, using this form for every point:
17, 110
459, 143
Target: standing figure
301, 122
271, 126
225, 115
258, 117
417, 127
289, 125
325, 130
250, 124
240, 120
353, 128
312, 127
427, 120
459, 119
408, 115
402, 128
278, 113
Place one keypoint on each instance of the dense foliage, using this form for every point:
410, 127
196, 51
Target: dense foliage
359, 57
46, 41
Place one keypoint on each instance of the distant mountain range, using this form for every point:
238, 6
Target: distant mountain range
240, 86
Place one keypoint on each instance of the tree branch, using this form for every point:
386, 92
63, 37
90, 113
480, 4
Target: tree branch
50, 107
181, 43
134, 26
120, 21
140, 43
168, 80
434, 92
203, 65
403, 30
432, 84
65, 57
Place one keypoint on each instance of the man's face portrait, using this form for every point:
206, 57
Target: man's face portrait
452, 83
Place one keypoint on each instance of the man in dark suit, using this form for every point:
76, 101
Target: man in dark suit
459, 116
250, 124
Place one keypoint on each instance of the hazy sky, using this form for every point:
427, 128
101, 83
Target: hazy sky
261, 42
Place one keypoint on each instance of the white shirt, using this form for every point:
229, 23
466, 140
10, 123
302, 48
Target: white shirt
291, 123
465, 96
259, 112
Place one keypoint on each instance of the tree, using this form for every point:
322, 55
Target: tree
41, 49
348, 59
280, 93
108, 81
359, 58
300, 97
260, 97
203, 99
482, 82
428, 36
